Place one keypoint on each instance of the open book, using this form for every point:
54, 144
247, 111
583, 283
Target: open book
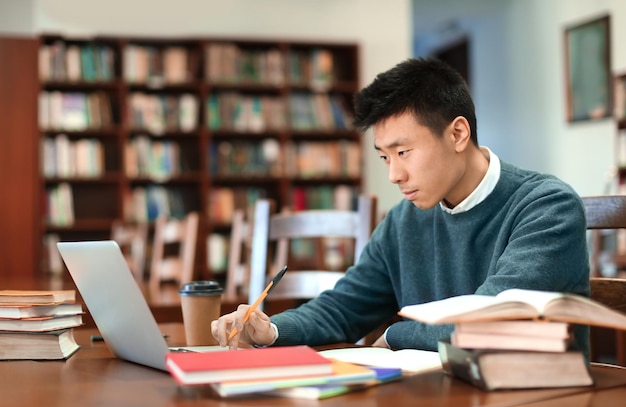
411, 361
516, 304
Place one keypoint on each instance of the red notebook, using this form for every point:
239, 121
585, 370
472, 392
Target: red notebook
246, 364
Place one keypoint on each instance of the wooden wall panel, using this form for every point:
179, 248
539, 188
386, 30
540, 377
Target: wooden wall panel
20, 249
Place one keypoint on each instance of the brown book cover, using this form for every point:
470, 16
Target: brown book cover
510, 369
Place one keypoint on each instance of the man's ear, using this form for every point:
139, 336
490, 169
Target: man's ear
461, 133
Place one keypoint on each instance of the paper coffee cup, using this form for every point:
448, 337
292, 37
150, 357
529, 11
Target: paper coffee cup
200, 302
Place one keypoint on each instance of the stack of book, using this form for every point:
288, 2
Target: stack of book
288, 371
37, 325
516, 339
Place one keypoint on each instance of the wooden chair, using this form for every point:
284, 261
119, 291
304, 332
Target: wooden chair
240, 246
606, 212
133, 240
174, 249
273, 233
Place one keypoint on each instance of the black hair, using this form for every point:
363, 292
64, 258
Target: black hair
429, 88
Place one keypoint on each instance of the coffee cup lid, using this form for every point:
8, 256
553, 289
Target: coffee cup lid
201, 288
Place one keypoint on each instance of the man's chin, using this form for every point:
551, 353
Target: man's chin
424, 205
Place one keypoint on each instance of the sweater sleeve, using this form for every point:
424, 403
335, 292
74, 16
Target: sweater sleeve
413, 334
361, 301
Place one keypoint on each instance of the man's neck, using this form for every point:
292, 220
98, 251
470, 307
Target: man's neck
477, 165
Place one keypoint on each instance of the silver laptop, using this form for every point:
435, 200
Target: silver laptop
115, 302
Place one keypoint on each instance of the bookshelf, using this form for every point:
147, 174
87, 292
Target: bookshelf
130, 128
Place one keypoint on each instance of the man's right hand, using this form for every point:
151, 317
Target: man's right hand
257, 331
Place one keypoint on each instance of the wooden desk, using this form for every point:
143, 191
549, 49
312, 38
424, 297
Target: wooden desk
599, 398
93, 377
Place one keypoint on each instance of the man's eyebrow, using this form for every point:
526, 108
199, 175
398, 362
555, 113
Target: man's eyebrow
393, 144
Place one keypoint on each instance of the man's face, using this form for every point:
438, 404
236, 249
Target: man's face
426, 168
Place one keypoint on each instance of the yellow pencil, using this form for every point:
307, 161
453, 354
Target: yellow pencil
258, 301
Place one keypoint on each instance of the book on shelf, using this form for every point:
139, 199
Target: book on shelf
74, 111
516, 304
50, 345
284, 361
410, 361
41, 324
36, 296
29, 311
217, 244
324, 391
60, 204
321, 65
514, 369
175, 65
51, 257
342, 374
532, 335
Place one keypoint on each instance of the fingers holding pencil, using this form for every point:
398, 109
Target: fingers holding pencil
257, 329
239, 327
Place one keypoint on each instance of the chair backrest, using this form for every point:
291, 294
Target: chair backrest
603, 212
606, 212
174, 249
273, 232
240, 246
133, 240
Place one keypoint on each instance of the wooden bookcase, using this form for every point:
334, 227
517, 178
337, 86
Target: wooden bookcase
130, 128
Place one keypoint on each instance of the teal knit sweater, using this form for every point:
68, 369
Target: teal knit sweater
530, 232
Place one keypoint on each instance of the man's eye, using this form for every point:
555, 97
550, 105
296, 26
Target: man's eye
402, 153
383, 157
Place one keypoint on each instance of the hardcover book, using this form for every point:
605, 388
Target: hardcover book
324, 391
41, 324
534, 328
48, 297
51, 345
532, 335
246, 364
29, 311
517, 342
510, 369
342, 374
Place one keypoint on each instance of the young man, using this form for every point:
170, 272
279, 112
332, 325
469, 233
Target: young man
469, 223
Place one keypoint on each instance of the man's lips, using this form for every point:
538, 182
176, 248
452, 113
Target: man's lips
409, 194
